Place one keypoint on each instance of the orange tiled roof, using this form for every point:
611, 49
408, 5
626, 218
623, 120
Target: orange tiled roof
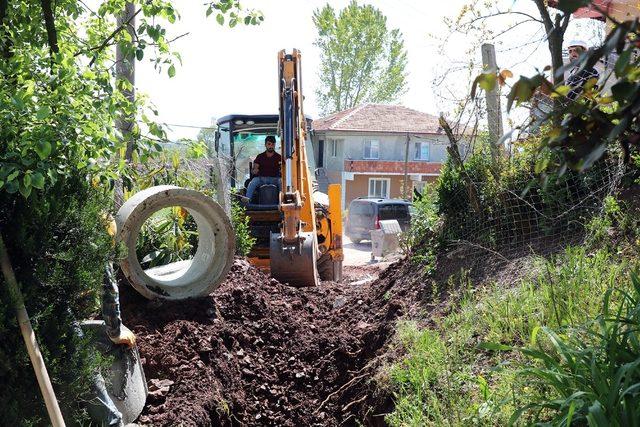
379, 118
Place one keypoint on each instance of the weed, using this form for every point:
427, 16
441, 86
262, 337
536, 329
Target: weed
592, 370
451, 376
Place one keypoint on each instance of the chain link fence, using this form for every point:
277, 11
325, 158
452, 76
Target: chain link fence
517, 211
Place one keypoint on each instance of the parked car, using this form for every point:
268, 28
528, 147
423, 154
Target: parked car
365, 215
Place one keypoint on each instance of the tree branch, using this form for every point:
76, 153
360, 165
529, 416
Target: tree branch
105, 43
499, 13
52, 34
544, 14
4, 4
514, 26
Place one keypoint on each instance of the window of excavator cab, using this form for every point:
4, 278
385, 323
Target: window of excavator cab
247, 145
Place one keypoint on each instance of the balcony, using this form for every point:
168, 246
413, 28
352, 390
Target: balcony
391, 167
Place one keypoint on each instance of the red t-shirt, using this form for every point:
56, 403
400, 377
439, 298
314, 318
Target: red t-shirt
268, 166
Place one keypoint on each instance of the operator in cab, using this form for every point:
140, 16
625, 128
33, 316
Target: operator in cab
266, 168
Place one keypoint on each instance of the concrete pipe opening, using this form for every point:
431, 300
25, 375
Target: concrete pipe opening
194, 277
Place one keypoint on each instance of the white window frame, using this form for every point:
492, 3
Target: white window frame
371, 144
418, 154
387, 182
332, 148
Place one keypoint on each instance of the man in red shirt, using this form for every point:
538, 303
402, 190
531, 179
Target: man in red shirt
266, 167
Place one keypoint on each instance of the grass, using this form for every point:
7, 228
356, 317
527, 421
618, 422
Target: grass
477, 365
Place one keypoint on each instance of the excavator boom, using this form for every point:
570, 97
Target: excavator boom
294, 250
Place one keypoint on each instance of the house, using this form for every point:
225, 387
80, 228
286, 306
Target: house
368, 148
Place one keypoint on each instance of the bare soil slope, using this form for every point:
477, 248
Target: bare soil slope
259, 352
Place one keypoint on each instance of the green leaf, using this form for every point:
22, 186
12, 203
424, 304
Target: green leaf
486, 81
172, 71
596, 416
247, 20
25, 191
622, 90
220, 19
37, 180
139, 54
26, 180
13, 175
11, 187
623, 62
43, 149
233, 23
43, 112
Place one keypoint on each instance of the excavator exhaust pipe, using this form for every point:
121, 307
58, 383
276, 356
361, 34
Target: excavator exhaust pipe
294, 263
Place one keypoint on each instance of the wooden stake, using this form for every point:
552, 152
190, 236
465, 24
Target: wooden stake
30, 339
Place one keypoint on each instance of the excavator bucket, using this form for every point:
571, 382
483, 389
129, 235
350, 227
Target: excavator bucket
295, 263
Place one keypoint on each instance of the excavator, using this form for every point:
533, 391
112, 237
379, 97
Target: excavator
298, 230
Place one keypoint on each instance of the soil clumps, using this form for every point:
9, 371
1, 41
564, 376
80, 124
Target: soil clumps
257, 352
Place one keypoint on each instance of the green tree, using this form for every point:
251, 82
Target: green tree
361, 59
59, 154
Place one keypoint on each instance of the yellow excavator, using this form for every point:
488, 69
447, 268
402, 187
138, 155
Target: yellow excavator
298, 230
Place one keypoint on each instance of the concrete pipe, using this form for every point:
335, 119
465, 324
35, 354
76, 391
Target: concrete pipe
183, 279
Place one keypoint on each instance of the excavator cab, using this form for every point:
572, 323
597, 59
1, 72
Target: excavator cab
298, 230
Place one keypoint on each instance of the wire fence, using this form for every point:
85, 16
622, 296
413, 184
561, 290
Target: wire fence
520, 213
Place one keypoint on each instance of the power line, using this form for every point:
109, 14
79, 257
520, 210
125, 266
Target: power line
190, 126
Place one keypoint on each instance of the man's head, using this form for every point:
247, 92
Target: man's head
270, 143
576, 47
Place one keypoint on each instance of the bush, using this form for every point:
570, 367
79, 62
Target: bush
417, 241
509, 204
240, 221
171, 234
45, 236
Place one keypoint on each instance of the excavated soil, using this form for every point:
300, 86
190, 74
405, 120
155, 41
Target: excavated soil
257, 352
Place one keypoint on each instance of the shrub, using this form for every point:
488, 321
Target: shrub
240, 221
46, 235
417, 242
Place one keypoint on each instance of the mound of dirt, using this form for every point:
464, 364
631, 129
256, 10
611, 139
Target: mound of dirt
260, 352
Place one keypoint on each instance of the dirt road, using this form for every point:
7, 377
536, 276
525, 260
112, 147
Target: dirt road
356, 253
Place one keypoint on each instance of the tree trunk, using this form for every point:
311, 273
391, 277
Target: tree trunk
52, 34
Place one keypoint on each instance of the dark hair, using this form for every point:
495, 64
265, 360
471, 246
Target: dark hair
270, 138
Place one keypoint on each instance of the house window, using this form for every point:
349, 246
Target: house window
371, 149
379, 187
421, 151
333, 148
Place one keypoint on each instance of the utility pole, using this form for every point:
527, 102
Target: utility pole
494, 113
406, 167
125, 70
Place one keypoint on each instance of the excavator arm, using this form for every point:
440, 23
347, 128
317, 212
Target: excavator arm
294, 250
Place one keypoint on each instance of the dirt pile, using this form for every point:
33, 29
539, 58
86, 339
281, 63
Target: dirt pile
259, 352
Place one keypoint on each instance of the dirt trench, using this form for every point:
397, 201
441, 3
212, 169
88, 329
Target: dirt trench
257, 352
